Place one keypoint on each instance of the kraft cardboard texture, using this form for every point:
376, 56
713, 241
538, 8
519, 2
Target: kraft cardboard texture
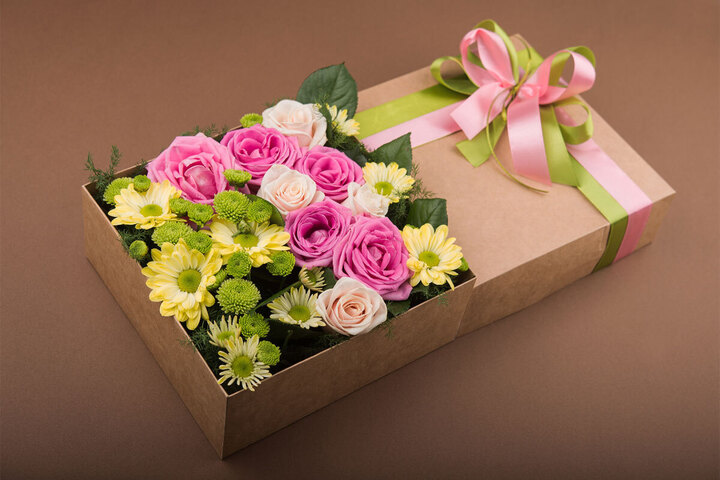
232, 422
522, 245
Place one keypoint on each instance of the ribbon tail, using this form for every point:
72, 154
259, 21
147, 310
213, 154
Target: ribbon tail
525, 134
478, 150
480, 108
558, 159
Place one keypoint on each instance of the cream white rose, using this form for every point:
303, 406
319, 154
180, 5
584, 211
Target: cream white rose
288, 189
351, 308
295, 119
364, 199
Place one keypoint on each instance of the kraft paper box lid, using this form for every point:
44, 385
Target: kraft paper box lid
522, 245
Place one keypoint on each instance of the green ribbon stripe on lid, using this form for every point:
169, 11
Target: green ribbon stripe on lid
403, 109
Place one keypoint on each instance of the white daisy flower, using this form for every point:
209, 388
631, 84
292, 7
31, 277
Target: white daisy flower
297, 307
340, 120
240, 364
223, 332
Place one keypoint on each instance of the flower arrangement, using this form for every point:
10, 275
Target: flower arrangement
283, 236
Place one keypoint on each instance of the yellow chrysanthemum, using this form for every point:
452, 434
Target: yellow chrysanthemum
240, 364
388, 180
145, 210
257, 239
433, 256
348, 126
297, 307
179, 277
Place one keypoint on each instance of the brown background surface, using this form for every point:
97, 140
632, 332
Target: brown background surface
613, 377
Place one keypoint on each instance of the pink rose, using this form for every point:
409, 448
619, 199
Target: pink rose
195, 166
315, 231
331, 169
351, 308
257, 148
374, 253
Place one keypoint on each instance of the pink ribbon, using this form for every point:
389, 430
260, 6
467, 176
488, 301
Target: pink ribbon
424, 129
497, 89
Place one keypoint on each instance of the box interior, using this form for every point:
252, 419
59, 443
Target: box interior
233, 421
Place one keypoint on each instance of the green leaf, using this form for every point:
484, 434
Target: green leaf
428, 210
275, 218
398, 308
422, 289
398, 151
332, 85
330, 279
356, 154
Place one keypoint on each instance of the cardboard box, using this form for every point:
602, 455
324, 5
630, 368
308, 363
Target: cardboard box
232, 422
522, 245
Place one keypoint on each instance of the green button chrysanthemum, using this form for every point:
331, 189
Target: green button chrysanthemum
250, 119
142, 183
179, 206
282, 263
170, 232
198, 241
253, 324
237, 178
231, 205
268, 353
199, 213
259, 211
219, 279
239, 264
464, 267
238, 296
114, 189
138, 249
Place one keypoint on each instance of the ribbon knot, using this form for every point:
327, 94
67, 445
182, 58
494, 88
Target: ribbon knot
519, 90
526, 91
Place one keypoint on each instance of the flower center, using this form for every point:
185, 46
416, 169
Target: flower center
431, 259
384, 188
222, 336
300, 313
189, 280
151, 210
246, 240
242, 366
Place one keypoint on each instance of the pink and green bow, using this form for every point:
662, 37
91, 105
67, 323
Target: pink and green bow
521, 92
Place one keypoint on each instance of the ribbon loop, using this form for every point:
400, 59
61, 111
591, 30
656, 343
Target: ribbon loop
547, 76
460, 84
492, 52
580, 133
